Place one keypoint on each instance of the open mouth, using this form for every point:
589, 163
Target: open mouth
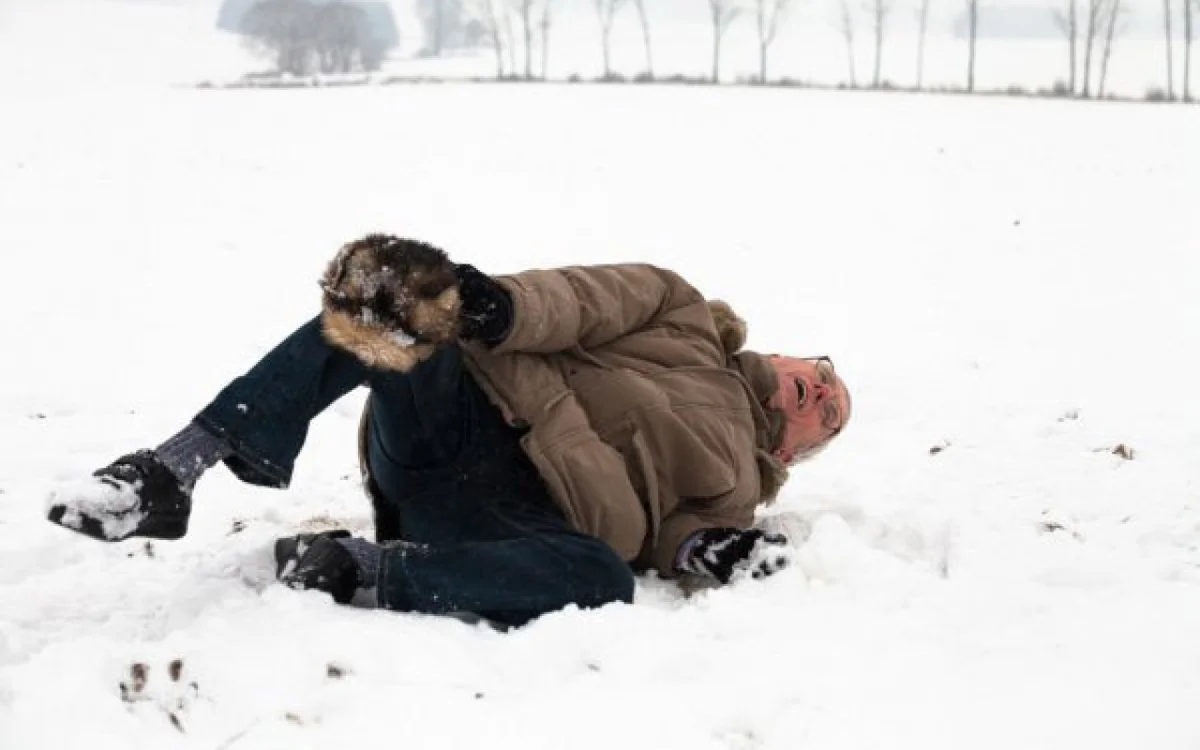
801, 391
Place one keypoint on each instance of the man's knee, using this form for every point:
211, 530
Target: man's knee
610, 578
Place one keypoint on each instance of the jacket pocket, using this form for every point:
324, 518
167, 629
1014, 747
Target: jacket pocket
589, 480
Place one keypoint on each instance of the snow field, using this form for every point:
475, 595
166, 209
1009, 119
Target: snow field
1007, 286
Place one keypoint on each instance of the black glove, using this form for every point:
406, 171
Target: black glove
487, 312
722, 553
318, 561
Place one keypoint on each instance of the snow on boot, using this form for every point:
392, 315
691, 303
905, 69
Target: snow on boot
389, 301
136, 495
289, 549
318, 561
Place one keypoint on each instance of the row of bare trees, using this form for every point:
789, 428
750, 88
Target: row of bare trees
509, 24
1093, 25
501, 19
879, 13
1091, 29
1188, 10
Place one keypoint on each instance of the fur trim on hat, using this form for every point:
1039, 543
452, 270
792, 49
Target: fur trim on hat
389, 302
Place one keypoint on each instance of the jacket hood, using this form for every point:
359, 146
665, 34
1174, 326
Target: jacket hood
758, 372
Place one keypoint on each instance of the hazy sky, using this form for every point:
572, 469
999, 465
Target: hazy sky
1141, 10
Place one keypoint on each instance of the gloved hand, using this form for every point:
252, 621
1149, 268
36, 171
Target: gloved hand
724, 553
318, 561
486, 307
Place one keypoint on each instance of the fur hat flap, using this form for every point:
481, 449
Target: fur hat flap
730, 328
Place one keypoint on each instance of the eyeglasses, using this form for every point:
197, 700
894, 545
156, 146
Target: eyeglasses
831, 414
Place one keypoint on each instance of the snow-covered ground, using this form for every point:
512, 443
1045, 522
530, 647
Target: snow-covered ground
1009, 287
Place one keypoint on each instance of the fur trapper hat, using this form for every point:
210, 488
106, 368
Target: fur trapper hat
390, 302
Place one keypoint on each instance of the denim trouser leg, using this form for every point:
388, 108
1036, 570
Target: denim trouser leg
481, 533
449, 475
518, 563
264, 415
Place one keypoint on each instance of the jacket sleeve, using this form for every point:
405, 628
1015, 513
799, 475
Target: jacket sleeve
685, 521
556, 310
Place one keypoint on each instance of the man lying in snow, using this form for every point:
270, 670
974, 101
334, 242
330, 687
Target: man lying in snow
528, 442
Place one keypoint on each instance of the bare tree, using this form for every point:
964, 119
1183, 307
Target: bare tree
644, 20
489, 13
972, 36
769, 16
510, 39
722, 13
1170, 50
1114, 11
1096, 9
527, 10
846, 26
880, 10
1187, 50
922, 25
606, 12
544, 26
1069, 23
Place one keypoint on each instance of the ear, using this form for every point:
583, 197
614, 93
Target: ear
730, 328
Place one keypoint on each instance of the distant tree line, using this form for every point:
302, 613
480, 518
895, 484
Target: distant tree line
518, 32
344, 35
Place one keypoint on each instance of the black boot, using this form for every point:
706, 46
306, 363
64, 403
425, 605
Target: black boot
317, 561
136, 495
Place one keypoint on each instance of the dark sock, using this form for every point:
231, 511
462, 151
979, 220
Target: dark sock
191, 452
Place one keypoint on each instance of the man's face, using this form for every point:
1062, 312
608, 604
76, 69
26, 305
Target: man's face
814, 401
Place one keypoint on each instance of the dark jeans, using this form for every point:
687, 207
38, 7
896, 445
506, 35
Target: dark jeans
481, 534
